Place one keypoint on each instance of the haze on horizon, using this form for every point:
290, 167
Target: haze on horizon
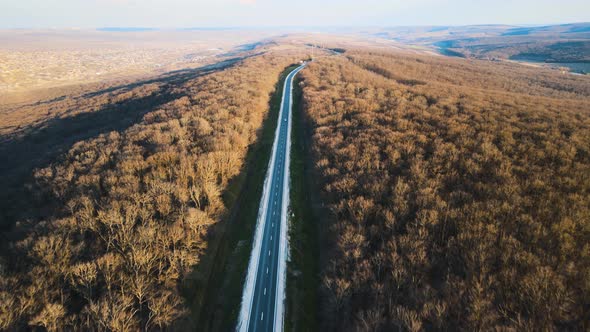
273, 13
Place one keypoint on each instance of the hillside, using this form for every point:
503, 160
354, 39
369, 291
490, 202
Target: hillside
554, 43
430, 192
458, 191
113, 221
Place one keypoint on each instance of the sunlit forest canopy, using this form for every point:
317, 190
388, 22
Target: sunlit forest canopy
459, 193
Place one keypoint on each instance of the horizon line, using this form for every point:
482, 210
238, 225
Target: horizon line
246, 27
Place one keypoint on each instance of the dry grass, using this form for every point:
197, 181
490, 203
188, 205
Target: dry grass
34, 59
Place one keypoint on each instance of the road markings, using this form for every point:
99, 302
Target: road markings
281, 150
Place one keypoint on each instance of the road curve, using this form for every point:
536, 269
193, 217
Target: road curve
264, 290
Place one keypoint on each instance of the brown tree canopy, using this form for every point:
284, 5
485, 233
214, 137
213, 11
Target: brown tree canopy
459, 192
131, 209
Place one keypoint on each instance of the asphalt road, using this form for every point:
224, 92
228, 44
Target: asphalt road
266, 302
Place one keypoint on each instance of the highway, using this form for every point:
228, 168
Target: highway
264, 289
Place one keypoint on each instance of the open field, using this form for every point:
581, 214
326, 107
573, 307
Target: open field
37, 59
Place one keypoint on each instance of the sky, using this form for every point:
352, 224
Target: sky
282, 13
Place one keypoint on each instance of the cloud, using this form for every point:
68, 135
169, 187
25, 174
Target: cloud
247, 2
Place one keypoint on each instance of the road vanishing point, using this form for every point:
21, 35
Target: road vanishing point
264, 289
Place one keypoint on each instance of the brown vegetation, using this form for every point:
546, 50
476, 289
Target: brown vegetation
129, 211
459, 191
39, 59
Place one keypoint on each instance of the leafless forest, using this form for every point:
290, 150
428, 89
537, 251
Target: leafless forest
459, 193
126, 213
457, 190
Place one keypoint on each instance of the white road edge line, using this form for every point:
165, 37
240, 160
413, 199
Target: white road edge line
283, 244
249, 285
